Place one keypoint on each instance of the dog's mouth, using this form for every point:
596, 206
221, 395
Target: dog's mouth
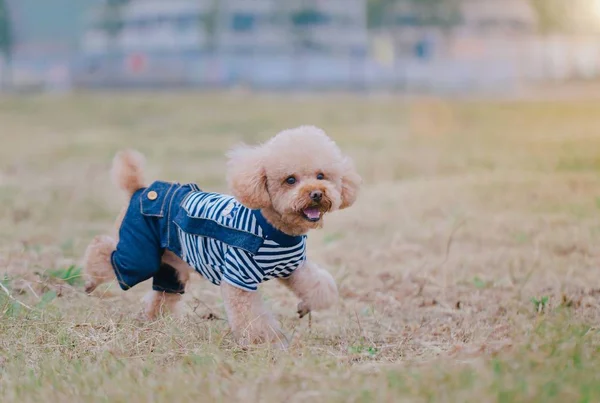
312, 213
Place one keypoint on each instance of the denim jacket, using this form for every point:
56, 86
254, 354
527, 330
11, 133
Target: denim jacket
222, 239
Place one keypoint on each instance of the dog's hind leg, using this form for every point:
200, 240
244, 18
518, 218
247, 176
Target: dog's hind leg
97, 267
168, 287
158, 303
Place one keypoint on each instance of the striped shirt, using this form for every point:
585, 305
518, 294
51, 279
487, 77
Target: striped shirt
211, 251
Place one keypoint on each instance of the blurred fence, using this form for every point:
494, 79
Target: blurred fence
455, 63
277, 44
500, 63
458, 64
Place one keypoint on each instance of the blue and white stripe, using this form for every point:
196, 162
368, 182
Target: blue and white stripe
216, 260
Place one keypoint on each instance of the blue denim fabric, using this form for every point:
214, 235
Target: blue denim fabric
211, 229
152, 226
147, 230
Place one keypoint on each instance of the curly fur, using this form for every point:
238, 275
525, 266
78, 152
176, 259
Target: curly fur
128, 171
258, 178
257, 175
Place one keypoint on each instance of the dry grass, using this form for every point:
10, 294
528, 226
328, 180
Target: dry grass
469, 211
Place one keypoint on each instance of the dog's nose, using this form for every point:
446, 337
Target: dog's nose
316, 195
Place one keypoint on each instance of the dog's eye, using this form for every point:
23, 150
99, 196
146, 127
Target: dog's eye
290, 180
320, 176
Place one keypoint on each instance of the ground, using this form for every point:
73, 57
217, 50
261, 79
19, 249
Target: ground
468, 268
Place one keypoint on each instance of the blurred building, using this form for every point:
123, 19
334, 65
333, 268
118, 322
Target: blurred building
258, 42
46, 36
259, 26
157, 26
415, 27
498, 17
462, 45
48, 26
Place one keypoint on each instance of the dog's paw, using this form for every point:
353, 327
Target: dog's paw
90, 286
274, 338
303, 309
144, 316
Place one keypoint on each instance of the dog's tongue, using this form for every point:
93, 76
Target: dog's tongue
312, 212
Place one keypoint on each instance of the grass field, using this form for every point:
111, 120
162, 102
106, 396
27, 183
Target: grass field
468, 270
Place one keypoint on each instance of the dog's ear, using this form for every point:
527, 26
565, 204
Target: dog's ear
351, 182
247, 178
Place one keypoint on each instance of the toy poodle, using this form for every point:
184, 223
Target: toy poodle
281, 190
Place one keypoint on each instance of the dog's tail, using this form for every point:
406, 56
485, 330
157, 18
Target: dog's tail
128, 171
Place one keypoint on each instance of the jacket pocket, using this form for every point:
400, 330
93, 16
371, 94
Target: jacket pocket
153, 200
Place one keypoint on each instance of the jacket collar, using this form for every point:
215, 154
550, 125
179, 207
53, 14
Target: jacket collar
273, 234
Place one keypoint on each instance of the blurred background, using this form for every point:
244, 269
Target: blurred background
474, 124
402, 45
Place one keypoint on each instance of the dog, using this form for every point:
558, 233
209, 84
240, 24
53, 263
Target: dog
281, 190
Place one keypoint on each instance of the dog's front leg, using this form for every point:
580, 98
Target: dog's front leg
250, 321
314, 286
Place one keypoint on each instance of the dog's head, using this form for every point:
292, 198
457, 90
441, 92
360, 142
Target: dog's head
295, 178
